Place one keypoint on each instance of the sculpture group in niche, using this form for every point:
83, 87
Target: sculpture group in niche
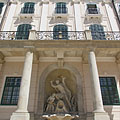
62, 100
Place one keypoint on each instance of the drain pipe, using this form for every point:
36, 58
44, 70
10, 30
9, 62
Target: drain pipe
5, 15
116, 13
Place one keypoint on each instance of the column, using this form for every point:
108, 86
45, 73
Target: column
97, 97
43, 25
21, 113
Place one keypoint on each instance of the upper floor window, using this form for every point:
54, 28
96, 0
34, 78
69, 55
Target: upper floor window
60, 32
11, 91
23, 31
1, 6
92, 9
97, 32
28, 8
61, 8
109, 91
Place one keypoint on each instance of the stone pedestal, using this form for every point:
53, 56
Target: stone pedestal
101, 116
20, 116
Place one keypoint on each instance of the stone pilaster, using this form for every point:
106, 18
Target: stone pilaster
21, 113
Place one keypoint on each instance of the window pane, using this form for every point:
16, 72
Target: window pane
11, 91
1, 6
23, 31
28, 8
61, 7
60, 32
109, 91
97, 32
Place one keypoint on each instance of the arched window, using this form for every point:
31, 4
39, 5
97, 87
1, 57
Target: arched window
61, 8
60, 32
23, 31
97, 32
1, 6
28, 8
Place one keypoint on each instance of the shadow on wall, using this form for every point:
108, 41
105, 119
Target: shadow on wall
23, 20
58, 20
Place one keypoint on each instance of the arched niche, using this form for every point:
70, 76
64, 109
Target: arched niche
60, 92
73, 82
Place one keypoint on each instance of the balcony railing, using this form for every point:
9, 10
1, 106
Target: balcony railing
93, 11
27, 10
69, 35
14, 35
52, 35
106, 35
60, 10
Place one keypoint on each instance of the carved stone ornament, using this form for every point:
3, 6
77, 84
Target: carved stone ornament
62, 101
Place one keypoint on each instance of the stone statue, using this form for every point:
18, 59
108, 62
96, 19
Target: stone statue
62, 101
50, 104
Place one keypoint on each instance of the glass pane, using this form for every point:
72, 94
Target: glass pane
109, 91
60, 32
23, 31
11, 90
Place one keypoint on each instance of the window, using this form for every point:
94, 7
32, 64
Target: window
23, 31
61, 8
60, 32
28, 8
109, 91
97, 32
92, 9
1, 6
11, 91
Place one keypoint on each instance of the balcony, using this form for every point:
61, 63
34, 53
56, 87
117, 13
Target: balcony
52, 35
60, 12
27, 12
93, 14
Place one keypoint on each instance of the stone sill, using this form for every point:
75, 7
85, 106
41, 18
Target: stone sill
8, 106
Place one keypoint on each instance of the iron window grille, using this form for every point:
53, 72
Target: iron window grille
11, 91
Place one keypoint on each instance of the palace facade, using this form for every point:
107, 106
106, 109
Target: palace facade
59, 59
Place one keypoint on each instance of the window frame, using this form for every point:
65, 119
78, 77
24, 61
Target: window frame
1, 7
61, 8
28, 8
21, 34
56, 33
98, 33
117, 89
4, 86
